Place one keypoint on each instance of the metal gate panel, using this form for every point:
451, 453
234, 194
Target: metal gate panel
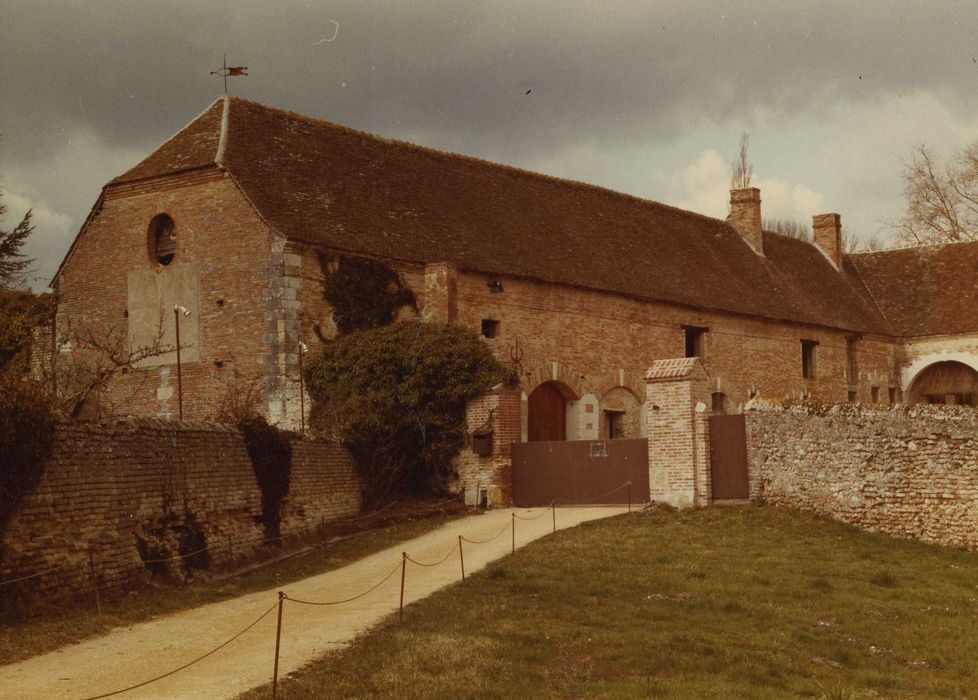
580, 471
728, 458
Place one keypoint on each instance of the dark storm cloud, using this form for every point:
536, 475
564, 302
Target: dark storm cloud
135, 71
455, 75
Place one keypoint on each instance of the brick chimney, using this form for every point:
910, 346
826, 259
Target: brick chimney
828, 236
745, 216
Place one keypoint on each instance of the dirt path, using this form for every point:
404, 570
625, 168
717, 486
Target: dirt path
127, 656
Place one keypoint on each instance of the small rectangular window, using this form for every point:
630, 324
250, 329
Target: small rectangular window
876, 394
694, 339
892, 395
853, 397
808, 368
490, 328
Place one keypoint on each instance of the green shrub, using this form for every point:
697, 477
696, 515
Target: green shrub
396, 395
26, 434
270, 452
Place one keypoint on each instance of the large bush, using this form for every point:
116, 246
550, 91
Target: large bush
26, 435
396, 395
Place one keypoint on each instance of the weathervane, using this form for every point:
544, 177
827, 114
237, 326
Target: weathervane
227, 70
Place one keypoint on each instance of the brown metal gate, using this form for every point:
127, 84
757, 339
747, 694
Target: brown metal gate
728, 457
580, 471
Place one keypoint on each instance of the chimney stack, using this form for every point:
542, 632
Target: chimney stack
828, 236
745, 216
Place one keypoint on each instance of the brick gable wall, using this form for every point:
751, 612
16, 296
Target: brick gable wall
221, 236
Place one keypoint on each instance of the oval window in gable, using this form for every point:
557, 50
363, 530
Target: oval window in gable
162, 239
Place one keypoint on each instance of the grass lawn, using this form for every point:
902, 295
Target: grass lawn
748, 602
47, 629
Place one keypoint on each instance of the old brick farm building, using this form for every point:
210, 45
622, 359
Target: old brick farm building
584, 286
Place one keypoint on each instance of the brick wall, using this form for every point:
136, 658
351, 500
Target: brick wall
909, 471
499, 411
677, 411
127, 491
597, 341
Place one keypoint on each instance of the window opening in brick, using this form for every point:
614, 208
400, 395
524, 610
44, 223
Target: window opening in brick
892, 394
876, 394
853, 397
719, 402
851, 368
162, 239
808, 358
614, 424
695, 340
490, 328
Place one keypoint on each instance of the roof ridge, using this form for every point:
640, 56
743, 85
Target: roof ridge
223, 137
473, 160
911, 246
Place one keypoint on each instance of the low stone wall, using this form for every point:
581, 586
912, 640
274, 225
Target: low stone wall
152, 489
909, 471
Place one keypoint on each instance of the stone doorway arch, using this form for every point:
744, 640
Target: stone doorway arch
947, 382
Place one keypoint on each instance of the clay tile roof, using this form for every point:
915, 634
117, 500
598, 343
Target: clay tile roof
194, 146
680, 368
925, 290
327, 184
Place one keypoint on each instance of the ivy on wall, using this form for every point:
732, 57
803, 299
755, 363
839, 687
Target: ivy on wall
364, 293
270, 452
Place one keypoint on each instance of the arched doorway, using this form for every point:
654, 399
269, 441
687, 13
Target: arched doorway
947, 382
546, 414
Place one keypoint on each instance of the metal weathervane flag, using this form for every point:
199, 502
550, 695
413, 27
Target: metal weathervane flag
227, 71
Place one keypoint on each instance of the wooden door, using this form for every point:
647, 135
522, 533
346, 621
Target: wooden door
546, 414
728, 458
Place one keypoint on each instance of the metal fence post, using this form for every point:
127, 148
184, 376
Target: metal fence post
514, 533
278, 642
629, 496
461, 558
400, 615
91, 568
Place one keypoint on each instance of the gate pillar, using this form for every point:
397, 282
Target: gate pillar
677, 400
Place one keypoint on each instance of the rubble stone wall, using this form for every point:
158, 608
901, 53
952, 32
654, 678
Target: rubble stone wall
152, 489
909, 471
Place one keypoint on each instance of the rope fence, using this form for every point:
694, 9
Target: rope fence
186, 665
284, 598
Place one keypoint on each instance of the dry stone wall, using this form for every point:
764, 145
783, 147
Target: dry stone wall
909, 471
152, 489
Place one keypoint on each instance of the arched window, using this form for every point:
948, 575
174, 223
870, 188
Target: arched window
162, 239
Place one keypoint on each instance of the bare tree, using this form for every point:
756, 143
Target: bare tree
87, 359
942, 200
788, 227
742, 169
851, 244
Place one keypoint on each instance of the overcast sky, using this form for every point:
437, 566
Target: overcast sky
648, 98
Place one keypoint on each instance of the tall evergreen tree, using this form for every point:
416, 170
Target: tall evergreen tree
13, 263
